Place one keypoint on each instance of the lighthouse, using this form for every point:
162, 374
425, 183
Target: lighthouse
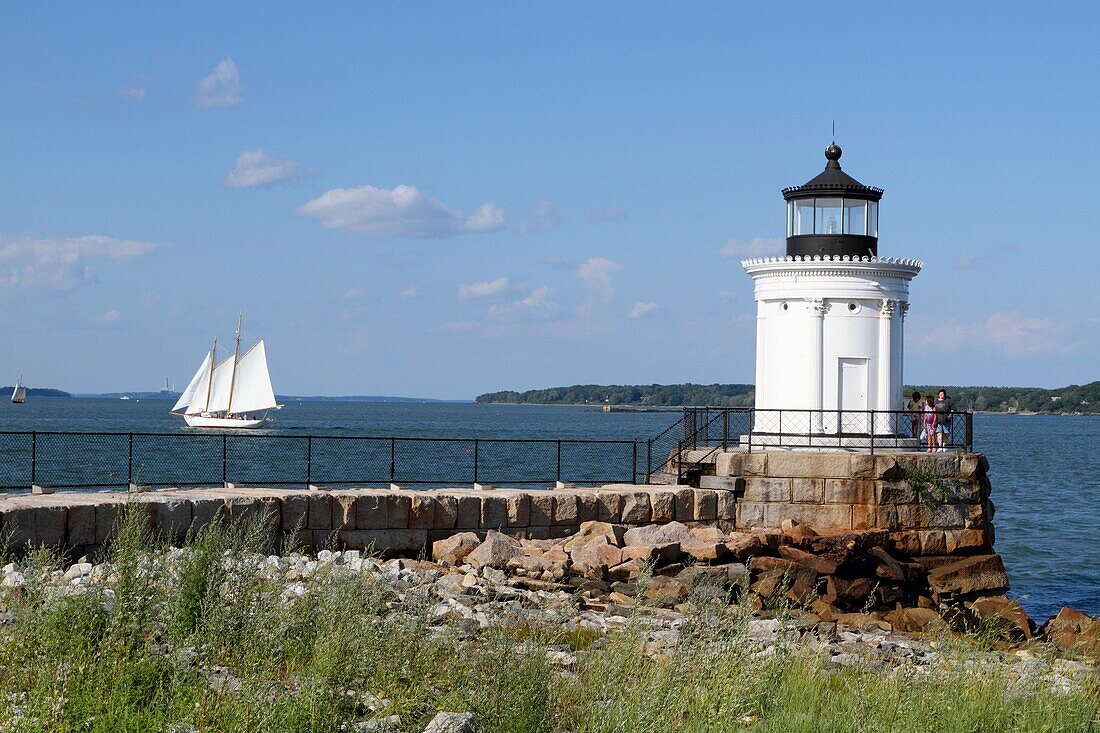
830, 320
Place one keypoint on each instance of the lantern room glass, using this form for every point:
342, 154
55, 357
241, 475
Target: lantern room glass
827, 216
872, 218
804, 216
855, 216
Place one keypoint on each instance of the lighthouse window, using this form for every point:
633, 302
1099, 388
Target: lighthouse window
828, 220
790, 218
855, 217
872, 218
804, 216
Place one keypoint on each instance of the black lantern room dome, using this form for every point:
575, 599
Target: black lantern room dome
832, 214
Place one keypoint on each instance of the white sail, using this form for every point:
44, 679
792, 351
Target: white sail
220, 385
192, 386
19, 394
252, 390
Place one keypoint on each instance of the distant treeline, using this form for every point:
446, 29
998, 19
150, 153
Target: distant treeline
1074, 398
651, 395
35, 392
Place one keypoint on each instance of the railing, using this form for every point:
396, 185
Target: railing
105, 460
708, 430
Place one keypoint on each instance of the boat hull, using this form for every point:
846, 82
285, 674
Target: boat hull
225, 423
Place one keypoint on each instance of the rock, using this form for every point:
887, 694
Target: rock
819, 564
886, 566
863, 622
703, 550
656, 554
741, 547
776, 576
914, 619
594, 558
1005, 614
656, 534
1072, 630
708, 533
976, 574
454, 549
495, 551
592, 530
796, 529
627, 570
453, 722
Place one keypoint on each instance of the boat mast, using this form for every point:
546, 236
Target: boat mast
210, 379
233, 374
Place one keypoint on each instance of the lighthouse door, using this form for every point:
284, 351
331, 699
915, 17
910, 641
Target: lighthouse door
852, 394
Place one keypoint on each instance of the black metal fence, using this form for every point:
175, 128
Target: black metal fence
105, 460
706, 430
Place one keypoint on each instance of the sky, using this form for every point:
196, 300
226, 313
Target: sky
443, 199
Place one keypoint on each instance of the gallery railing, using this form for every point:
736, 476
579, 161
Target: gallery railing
707, 430
105, 460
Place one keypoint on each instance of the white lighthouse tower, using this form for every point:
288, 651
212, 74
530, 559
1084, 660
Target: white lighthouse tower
830, 321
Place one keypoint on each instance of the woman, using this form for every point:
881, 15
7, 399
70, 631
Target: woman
914, 407
930, 422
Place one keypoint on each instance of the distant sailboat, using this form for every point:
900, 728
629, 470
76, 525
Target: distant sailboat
19, 393
236, 393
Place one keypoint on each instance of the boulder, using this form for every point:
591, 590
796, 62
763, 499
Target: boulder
702, 550
796, 529
657, 554
593, 559
591, 531
627, 570
977, 574
656, 534
1072, 630
886, 566
863, 622
1005, 614
911, 620
741, 546
822, 565
454, 549
495, 551
452, 723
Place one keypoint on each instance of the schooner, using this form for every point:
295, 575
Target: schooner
236, 393
19, 392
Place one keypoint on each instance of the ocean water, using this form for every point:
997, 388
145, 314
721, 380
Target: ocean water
1045, 469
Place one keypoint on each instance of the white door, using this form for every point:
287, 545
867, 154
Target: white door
852, 394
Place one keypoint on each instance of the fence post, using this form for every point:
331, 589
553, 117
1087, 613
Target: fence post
393, 460
873, 416
752, 419
476, 445
634, 465
558, 474
34, 457
968, 427
225, 475
309, 460
649, 460
130, 461
679, 461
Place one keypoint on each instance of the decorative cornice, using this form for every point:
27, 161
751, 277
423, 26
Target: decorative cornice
817, 306
904, 261
886, 307
831, 266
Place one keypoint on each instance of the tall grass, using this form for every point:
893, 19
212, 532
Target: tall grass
210, 645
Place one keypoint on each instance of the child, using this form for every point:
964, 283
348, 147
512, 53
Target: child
930, 422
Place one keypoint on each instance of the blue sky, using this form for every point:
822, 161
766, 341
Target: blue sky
440, 199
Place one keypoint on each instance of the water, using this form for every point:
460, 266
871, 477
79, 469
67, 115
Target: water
1045, 469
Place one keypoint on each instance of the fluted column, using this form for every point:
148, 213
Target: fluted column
886, 384
817, 308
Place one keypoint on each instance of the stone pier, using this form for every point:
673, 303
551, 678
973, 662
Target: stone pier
933, 505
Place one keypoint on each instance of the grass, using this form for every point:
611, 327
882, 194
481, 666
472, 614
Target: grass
210, 647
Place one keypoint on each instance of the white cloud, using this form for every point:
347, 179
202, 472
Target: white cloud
493, 288
755, 247
641, 310
355, 293
536, 305
135, 93
1010, 332
971, 259
596, 275
401, 212
222, 88
542, 218
608, 214
112, 316
413, 291
255, 168
62, 263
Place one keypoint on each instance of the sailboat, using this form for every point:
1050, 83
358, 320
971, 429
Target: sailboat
236, 393
19, 393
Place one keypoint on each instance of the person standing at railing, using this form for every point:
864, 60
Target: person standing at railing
929, 431
914, 407
944, 408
